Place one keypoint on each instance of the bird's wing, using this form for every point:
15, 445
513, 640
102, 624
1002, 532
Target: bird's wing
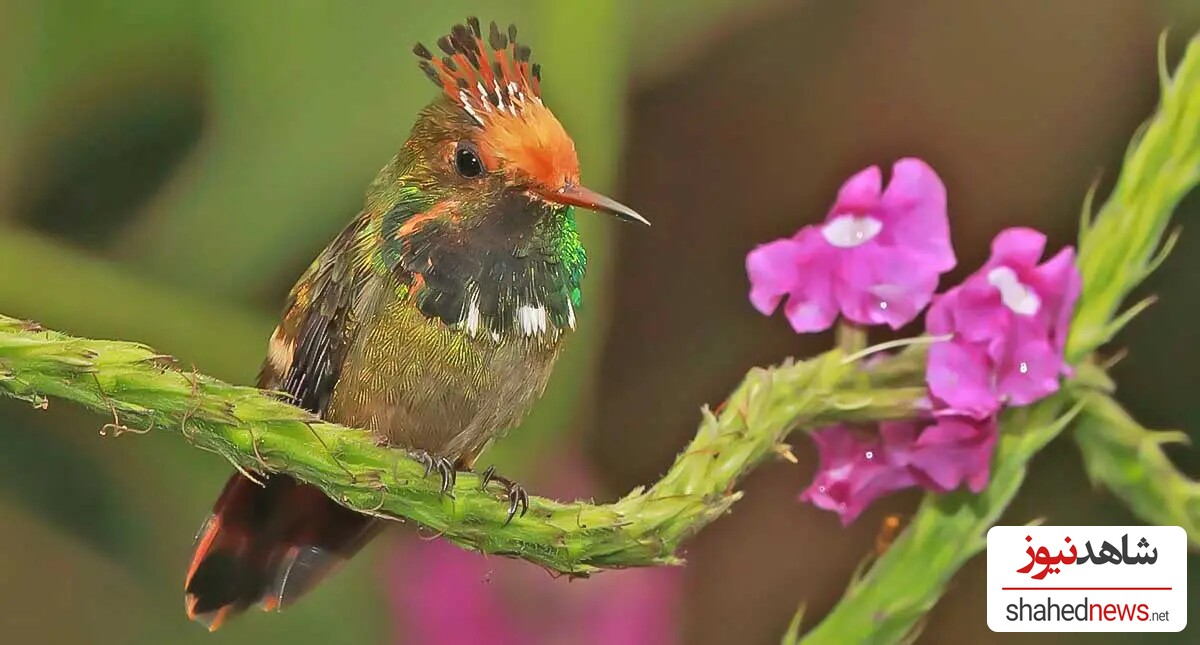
309, 346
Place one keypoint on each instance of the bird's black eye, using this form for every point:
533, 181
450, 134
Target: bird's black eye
466, 160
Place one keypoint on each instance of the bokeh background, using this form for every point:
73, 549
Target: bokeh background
168, 167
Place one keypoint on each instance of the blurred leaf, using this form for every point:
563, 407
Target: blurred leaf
68, 288
75, 494
663, 37
307, 104
89, 180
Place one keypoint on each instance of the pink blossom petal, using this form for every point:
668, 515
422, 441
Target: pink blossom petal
853, 473
774, 272
956, 450
1030, 372
959, 374
913, 210
883, 286
979, 315
811, 306
860, 193
1021, 247
1060, 282
940, 319
897, 436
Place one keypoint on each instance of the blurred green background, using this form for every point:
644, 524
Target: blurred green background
168, 167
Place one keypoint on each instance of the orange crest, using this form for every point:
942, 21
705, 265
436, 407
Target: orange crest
500, 89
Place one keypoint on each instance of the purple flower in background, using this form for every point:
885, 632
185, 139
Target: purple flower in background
444, 594
876, 259
856, 470
1009, 323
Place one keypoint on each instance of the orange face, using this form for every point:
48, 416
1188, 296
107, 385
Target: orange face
530, 145
499, 89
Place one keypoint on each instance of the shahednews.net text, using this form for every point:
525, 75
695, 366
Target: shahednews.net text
1051, 611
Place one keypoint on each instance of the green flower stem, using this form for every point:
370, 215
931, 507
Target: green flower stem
1124, 243
142, 391
850, 337
1128, 459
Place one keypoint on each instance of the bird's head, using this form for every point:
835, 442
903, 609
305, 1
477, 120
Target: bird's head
479, 201
489, 137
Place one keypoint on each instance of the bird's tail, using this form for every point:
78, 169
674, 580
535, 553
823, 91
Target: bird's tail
268, 545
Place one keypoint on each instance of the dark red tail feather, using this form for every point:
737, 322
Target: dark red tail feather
268, 545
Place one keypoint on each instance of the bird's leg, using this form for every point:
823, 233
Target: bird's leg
443, 466
449, 475
517, 497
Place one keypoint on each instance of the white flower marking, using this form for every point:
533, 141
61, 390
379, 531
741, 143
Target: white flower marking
1018, 297
848, 231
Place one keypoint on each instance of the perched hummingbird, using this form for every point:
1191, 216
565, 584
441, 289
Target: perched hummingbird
433, 320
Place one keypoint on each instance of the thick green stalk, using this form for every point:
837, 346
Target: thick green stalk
142, 390
1129, 460
1125, 241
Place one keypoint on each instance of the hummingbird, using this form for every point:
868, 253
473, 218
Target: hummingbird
432, 320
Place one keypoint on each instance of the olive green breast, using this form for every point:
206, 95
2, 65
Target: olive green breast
423, 385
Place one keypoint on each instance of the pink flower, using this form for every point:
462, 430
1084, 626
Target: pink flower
856, 470
953, 451
1009, 323
876, 259
441, 593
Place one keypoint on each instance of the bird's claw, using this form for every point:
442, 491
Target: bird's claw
516, 497
487, 477
514, 492
443, 466
425, 459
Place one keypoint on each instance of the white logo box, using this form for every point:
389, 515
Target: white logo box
1045, 578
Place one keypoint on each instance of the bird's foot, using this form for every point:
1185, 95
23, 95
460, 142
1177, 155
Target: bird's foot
517, 497
443, 466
